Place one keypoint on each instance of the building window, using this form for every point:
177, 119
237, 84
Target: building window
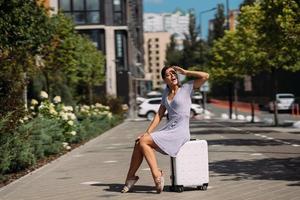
157, 58
157, 70
83, 11
157, 52
97, 36
119, 12
121, 50
156, 39
157, 64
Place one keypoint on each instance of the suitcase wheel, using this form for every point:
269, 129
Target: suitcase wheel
176, 188
179, 189
203, 187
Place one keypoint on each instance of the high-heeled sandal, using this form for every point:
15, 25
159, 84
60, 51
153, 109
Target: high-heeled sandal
129, 184
160, 183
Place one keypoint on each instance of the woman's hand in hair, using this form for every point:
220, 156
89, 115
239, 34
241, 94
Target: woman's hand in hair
179, 70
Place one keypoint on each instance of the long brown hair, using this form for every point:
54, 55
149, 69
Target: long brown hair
163, 73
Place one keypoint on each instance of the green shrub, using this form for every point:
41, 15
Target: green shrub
45, 135
22, 154
5, 156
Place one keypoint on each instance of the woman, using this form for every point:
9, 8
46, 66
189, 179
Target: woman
168, 140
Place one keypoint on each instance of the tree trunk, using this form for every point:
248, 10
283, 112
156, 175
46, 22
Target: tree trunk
90, 93
47, 83
25, 91
275, 89
230, 99
235, 98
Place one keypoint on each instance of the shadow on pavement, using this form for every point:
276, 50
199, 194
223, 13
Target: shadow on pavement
117, 187
250, 142
236, 124
287, 169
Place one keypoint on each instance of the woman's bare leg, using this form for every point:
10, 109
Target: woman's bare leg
136, 161
147, 145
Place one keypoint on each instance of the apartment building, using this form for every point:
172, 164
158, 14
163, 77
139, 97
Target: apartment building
116, 29
155, 54
158, 28
174, 23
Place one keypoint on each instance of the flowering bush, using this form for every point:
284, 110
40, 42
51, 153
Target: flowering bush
50, 127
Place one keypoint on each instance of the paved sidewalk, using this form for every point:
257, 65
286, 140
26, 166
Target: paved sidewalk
242, 166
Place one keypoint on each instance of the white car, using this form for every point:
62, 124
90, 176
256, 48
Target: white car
284, 101
149, 107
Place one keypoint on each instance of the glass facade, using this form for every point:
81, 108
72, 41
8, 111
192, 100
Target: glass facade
83, 11
119, 12
121, 50
97, 36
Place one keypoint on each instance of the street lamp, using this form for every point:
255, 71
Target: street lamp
200, 18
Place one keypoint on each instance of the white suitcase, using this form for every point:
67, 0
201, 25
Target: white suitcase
190, 166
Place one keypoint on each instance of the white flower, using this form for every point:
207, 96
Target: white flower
41, 106
53, 111
25, 118
71, 116
57, 99
65, 144
109, 115
34, 102
70, 122
31, 107
20, 120
98, 105
67, 108
124, 107
64, 116
44, 95
73, 133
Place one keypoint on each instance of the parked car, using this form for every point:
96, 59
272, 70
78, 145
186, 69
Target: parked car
149, 107
284, 102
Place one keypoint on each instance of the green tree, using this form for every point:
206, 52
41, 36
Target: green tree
247, 3
267, 39
280, 38
218, 25
90, 68
173, 54
59, 58
24, 29
194, 50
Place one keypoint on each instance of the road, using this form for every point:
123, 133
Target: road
246, 161
284, 118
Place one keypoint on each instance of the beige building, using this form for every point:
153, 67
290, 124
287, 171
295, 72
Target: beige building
233, 16
155, 47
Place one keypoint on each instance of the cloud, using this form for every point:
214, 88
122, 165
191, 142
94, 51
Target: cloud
154, 1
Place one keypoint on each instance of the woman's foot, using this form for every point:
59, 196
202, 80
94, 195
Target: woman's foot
129, 184
159, 182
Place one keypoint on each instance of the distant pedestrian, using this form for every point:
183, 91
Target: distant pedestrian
176, 100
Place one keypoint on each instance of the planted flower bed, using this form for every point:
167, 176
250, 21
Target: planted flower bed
48, 130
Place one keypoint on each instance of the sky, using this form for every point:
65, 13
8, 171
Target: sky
160, 6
